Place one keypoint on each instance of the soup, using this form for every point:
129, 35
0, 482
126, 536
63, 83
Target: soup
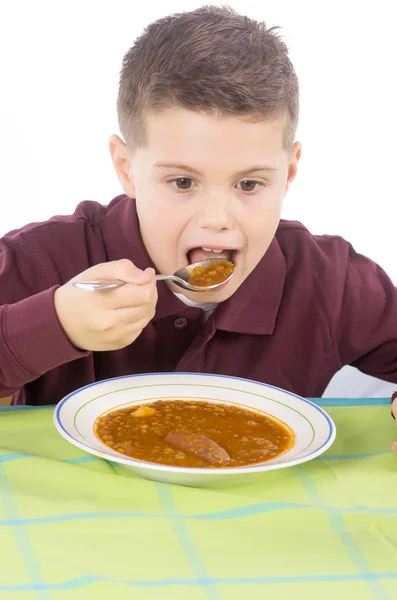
215, 272
194, 434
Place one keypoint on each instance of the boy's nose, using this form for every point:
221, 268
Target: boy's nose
215, 214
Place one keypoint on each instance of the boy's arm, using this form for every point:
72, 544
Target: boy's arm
43, 320
32, 340
365, 328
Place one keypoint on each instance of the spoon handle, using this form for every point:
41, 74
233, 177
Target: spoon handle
98, 285
169, 278
104, 284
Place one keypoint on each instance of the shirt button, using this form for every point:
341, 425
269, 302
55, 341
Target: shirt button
180, 323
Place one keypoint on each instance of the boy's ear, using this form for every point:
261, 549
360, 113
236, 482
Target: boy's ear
294, 158
119, 154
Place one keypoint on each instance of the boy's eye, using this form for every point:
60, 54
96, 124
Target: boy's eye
248, 185
182, 183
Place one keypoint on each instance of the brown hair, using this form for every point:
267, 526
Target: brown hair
211, 59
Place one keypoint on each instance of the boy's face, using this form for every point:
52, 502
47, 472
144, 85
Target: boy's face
206, 182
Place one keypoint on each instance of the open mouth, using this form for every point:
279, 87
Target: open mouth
195, 255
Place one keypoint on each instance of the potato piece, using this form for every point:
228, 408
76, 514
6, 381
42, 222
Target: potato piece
198, 445
144, 411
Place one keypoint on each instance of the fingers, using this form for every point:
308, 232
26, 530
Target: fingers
120, 269
131, 296
139, 290
394, 411
127, 320
108, 319
117, 333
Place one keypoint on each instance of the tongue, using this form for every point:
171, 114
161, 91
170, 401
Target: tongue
198, 254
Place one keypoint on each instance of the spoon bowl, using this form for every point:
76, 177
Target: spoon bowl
181, 278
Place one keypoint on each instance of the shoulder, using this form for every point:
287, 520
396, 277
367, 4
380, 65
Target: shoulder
324, 255
328, 273
87, 214
65, 244
324, 269
298, 243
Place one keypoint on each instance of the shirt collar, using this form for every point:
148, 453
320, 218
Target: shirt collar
252, 309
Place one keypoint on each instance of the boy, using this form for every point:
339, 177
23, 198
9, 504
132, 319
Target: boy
208, 108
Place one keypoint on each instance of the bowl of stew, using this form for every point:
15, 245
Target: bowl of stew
194, 429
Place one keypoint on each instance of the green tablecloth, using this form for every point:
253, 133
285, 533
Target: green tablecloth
74, 526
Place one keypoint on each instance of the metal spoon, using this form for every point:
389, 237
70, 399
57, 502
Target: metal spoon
180, 277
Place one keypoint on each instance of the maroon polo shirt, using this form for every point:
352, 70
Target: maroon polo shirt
311, 306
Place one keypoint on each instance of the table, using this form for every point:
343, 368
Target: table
74, 526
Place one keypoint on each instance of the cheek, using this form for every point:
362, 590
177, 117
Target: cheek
152, 213
161, 229
261, 222
159, 212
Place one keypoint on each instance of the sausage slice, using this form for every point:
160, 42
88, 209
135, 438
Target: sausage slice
199, 445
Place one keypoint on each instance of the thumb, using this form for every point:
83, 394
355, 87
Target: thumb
123, 269
394, 413
394, 405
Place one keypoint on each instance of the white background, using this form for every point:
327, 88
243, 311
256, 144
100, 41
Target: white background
60, 65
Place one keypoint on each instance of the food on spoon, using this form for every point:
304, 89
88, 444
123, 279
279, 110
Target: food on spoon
214, 273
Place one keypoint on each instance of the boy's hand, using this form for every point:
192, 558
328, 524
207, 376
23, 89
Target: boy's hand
110, 319
394, 409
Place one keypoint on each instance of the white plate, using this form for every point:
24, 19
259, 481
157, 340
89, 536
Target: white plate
75, 415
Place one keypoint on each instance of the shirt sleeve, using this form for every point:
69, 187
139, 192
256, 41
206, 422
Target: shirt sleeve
32, 340
366, 326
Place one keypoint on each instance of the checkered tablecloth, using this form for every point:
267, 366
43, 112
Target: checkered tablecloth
74, 526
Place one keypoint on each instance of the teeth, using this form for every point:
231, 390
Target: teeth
212, 250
